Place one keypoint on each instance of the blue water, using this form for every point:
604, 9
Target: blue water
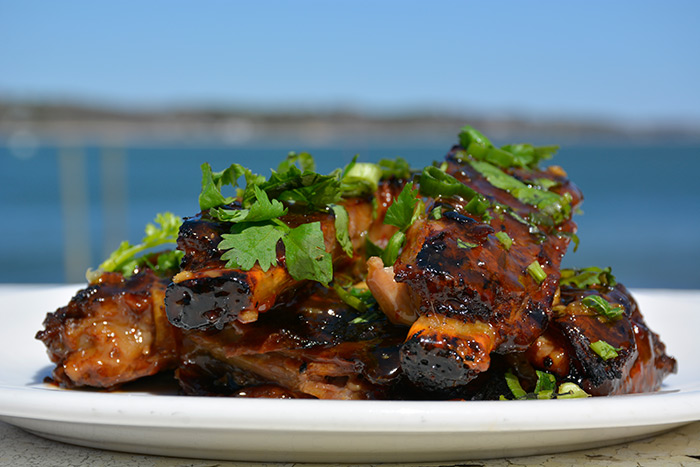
641, 210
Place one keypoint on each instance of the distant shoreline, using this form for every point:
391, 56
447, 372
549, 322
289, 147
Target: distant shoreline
65, 122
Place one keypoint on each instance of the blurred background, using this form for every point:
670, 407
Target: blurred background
108, 109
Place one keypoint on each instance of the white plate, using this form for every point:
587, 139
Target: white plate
334, 431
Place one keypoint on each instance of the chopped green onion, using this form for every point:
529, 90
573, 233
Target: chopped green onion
391, 252
466, 245
604, 350
571, 391
469, 135
514, 385
603, 307
505, 240
350, 299
584, 278
537, 272
434, 183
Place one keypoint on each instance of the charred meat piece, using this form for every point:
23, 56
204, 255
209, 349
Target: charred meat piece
206, 294
475, 293
639, 363
112, 332
314, 346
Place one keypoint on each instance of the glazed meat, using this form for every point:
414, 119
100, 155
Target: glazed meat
373, 282
315, 346
206, 294
639, 363
112, 332
473, 294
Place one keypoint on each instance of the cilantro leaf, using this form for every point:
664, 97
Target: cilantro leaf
305, 160
395, 168
310, 188
124, 259
341, 228
249, 245
261, 210
306, 255
402, 212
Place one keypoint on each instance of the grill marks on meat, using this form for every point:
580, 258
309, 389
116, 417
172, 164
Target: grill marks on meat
641, 364
473, 310
459, 272
206, 294
112, 332
310, 347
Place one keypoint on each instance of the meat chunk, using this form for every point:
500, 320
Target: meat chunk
313, 346
206, 294
475, 293
112, 332
640, 363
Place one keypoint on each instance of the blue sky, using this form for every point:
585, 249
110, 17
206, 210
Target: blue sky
635, 61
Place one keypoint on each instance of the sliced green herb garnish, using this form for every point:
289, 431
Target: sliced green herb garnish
466, 245
341, 228
545, 382
351, 300
587, 277
360, 179
126, 259
468, 135
250, 245
558, 207
393, 248
514, 385
306, 255
604, 307
537, 272
434, 183
571, 391
505, 240
395, 168
403, 213
604, 350
304, 160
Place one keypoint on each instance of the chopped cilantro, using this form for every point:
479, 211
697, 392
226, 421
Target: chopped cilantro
261, 210
604, 350
604, 307
306, 255
308, 188
545, 382
125, 259
403, 213
341, 228
304, 159
395, 168
250, 245
537, 272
